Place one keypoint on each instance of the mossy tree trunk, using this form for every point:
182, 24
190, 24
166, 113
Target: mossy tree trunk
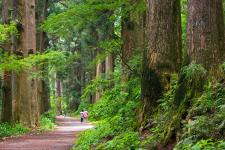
7, 75
133, 33
162, 56
105, 33
27, 89
190, 86
109, 60
77, 77
205, 34
42, 43
59, 93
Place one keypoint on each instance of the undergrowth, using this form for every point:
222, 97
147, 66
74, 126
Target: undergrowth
115, 113
189, 116
47, 122
196, 121
7, 129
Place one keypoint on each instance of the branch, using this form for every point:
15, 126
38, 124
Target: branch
128, 66
60, 2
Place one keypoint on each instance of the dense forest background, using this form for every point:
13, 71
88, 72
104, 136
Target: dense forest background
151, 73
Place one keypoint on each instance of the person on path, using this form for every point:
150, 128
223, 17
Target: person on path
82, 116
85, 115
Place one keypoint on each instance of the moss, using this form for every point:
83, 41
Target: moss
151, 91
190, 85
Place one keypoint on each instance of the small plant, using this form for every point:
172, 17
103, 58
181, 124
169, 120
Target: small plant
11, 130
127, 140
117, 121
93, 137
208, 144
47, 123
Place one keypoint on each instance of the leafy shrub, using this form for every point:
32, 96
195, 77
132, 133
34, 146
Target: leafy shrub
8, 130
208, 144
92, 137
207, 114
50, 115
223, 67
117, 115
47, 122
202, 117
127, 140
110, 131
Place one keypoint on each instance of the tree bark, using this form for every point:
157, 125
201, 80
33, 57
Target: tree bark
7, 75
109, 60
59, 94
98, 75
109, 64
7, 98
42, 43
205, 34
133, 37
163, 54
28, 106
128, 44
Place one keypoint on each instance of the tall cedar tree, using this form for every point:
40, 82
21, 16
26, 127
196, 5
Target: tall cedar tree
162, 56
205, 34
26, 89
42, 43
7, 79
133, 25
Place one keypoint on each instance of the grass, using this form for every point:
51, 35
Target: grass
7, 130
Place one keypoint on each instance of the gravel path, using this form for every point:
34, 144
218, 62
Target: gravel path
62, 138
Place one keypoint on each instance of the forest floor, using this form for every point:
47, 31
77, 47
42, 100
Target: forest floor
62, 138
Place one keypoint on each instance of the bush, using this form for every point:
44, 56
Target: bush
191, 111
194, 117
47, 123
208, 144
207, 114
93, 137
10, 130
108, 133
125, 141
116, 113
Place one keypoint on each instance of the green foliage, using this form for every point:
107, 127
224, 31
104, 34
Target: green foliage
108, 47
202, 113
208, 144
194, 72
47, 122
93, 137
114, 97
126, 141
7, 30
82, 15
53, 111
223, 66
108, 133
12, 130
53, 59
184, 25
117, 121
93, 86
206, 116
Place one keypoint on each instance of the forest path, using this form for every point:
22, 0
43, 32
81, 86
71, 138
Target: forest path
62, 138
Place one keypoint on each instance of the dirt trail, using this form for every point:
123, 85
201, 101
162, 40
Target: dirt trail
62, 138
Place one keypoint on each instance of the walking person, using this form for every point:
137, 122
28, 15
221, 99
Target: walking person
85, 115
82, 116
